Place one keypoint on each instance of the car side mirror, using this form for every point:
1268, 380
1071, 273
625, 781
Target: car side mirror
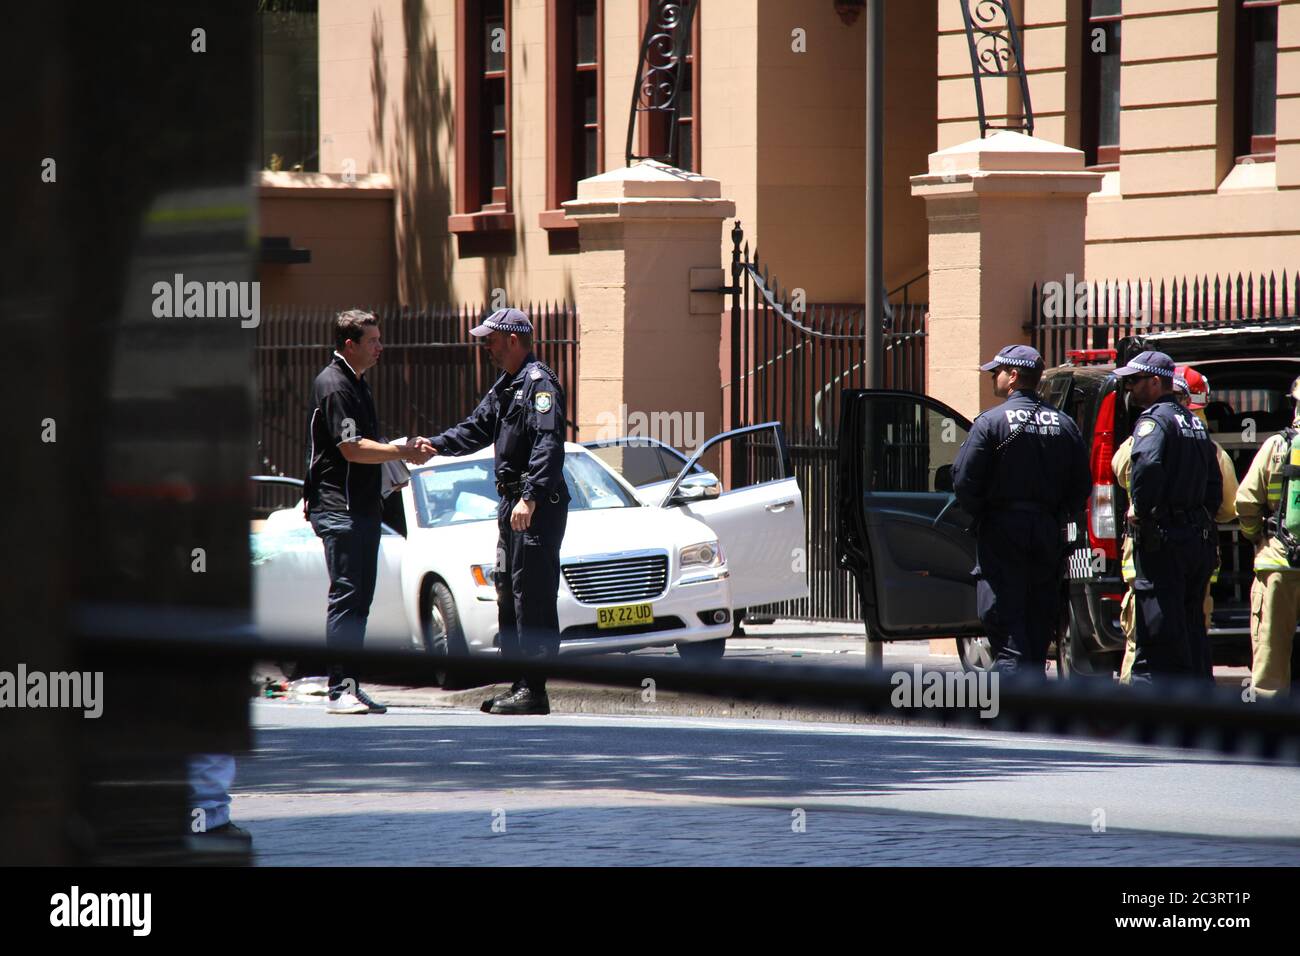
696, 488
943, 478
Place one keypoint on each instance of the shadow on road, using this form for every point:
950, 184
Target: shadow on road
649, 758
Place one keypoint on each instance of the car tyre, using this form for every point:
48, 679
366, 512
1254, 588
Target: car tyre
975, 654
702, 652
1073, 662
443, 634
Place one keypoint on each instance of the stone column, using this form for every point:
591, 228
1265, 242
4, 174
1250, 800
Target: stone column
1004, 212
648, 234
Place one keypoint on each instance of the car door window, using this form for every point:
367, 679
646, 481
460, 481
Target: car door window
908, 447
638, 464
642, 461
1055, 389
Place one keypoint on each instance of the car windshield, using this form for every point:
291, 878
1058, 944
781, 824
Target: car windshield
466, 491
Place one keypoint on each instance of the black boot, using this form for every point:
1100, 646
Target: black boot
486, 706
522, 702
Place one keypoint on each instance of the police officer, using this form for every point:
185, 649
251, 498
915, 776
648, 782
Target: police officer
1192, 391
1021, 472
1265, 500
1176, 489
522, 416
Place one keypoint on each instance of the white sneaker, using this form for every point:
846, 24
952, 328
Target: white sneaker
346, 704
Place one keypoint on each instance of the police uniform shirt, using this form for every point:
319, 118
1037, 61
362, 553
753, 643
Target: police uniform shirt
522, 415
342, 410
1173, 471
1023, 451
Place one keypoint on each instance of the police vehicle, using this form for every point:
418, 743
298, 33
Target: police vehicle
909, 544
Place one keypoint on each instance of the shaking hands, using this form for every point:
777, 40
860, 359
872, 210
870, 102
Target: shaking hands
417, 450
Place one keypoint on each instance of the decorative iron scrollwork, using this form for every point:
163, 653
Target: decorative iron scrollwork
994, 40
657, 90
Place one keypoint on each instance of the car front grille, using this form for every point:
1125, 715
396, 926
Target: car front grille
618, 579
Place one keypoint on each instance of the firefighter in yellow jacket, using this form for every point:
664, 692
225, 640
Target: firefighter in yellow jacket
1193, 391
1269, 505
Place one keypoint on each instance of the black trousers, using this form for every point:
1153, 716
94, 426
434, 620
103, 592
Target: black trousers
352, 560
528, 580
1169, 605
1018, 587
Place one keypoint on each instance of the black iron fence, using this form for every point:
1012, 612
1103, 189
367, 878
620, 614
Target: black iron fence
791, 361
431, 374
1096, 315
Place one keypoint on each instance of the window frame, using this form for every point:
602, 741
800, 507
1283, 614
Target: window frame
1246, 146
1104, 156
651, 136
472, 215
562, 69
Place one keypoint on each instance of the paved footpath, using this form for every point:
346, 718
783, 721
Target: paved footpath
437, 787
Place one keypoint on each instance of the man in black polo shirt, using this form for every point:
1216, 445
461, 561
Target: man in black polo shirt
342, 496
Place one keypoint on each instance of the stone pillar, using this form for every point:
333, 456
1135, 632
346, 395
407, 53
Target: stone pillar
1004, 212
648, 234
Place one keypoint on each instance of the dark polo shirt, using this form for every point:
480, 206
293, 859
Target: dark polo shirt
342, 410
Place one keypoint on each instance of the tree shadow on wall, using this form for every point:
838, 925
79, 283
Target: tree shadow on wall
423, 138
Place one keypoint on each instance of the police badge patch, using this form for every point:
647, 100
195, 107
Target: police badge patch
542, 402
1145, 428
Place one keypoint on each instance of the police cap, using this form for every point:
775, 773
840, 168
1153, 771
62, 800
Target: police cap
1015, 356
504, 320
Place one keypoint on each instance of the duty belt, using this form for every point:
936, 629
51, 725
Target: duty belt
510, 489
1179, 516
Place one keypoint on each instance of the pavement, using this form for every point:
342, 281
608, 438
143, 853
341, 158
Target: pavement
449, 786
782, 642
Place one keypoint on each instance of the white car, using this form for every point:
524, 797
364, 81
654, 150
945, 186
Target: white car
633, 574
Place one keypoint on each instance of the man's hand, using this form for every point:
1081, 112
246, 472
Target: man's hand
417, 450
522, 515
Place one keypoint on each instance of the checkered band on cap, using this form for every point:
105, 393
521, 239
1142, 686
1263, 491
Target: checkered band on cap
509, 325
1152, 369
1180, 384
1017, 362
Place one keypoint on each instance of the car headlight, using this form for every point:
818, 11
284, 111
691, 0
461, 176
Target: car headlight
708, 554
482, 574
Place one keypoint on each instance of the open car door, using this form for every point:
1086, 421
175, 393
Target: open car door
900, 529
758, 519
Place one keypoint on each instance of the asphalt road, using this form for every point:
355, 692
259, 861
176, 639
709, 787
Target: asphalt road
435, 787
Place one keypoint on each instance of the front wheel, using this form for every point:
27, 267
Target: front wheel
702, 652
443, 635
1074, 663
975, 654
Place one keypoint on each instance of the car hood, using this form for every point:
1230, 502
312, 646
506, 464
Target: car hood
587, 533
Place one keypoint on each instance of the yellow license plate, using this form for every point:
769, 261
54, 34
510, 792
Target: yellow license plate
625, 615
